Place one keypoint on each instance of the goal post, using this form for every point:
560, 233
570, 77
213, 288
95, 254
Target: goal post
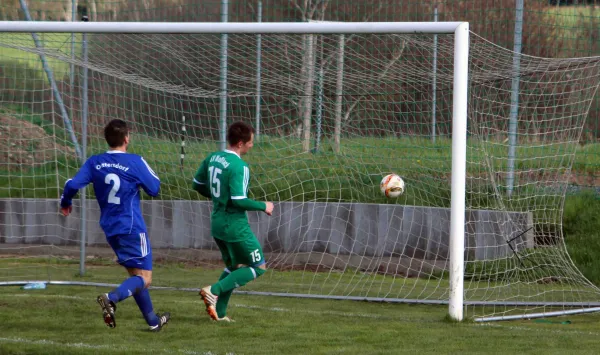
454, 238
459, 169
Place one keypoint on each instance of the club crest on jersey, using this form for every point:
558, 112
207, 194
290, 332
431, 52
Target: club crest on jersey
219, 159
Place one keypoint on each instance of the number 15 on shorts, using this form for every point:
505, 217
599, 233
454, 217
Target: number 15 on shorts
255, 256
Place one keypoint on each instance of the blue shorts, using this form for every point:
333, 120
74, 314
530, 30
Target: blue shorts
132, 250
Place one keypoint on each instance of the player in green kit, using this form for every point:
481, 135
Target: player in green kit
224, 178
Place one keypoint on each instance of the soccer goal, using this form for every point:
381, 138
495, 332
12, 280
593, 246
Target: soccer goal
336, 107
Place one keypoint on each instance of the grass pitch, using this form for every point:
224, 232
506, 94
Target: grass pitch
66, 320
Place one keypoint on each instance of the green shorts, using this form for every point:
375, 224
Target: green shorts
247, 252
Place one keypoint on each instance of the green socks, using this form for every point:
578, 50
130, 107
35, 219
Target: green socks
235, 279
223, 299
229, 281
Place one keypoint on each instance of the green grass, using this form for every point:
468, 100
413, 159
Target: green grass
582, 233
569, 16
57, 41
66, 320
337, 282
281, 172
574, 24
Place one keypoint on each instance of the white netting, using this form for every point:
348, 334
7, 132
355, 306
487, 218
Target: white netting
337, 113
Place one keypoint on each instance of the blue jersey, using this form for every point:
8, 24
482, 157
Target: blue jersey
117, 178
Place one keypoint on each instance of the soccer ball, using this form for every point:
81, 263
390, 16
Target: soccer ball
392, 185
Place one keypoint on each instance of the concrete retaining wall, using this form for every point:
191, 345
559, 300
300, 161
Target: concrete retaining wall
334, 228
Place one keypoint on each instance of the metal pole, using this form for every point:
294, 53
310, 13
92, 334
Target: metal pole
319, 112
50, 76
339, 89
84, 123
183, 131
322, 27
459, 171
258, 71
513, 123
434, 83
223, 93
72, 69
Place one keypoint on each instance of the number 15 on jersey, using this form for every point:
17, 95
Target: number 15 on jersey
215, 182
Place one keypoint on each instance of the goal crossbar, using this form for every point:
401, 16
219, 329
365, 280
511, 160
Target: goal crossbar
232, 27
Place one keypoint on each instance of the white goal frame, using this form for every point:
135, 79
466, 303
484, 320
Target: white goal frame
459, 100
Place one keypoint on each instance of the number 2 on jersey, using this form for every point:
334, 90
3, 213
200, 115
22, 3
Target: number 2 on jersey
112, 195
215, 182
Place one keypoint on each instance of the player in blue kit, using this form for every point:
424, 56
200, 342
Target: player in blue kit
117, 177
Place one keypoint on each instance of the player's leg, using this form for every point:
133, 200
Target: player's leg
144, 302
142, 298
213, 304
108, 301
134, 253
223, 298
248, 255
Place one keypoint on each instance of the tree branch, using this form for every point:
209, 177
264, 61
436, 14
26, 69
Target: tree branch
381, 75
327, 61
302, 11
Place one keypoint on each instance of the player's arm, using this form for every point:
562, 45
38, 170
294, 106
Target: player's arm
80, 180
238, 185
148, 179
200, 181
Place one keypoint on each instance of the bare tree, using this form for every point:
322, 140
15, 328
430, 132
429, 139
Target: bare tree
309, 10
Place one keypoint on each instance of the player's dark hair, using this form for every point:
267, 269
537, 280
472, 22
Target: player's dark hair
115, 133
239, 132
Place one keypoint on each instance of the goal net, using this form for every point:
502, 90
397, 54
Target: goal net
333, 114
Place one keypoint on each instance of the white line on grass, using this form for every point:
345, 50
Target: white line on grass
50, 342
45, 296
46, 342
83, 345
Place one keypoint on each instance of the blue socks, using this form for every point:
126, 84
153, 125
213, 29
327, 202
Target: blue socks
128, 288
144, 303
134, 286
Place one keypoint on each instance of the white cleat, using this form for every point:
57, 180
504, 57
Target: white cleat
225, 319
210, 301
163, 319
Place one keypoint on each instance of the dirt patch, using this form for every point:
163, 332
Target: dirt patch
24, 144
590, 179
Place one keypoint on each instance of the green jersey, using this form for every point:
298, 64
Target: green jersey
225, 178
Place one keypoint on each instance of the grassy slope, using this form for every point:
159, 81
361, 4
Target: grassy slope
57, 41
